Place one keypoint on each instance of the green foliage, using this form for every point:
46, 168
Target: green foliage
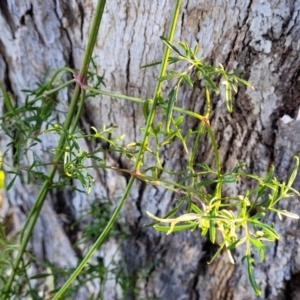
238, 219
46, 283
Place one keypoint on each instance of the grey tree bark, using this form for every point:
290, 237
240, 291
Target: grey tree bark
260, 37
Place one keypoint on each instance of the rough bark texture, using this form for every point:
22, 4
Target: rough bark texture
261, 37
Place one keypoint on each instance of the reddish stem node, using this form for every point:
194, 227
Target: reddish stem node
80, 80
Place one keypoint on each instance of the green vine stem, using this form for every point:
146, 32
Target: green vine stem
142, 101
79, 111
199, 134
135, 172
158, 86
37, 206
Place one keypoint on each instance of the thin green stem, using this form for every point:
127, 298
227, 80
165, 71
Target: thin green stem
218, 189
57, 89
37, 206
158, 86
150, 119
27, 231
66, 69
92, 37
79, 111
208, 102
199, 133
114, 95
215, 148
194, 151
139, 100
98, 243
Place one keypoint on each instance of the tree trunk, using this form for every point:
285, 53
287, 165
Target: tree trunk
260, 37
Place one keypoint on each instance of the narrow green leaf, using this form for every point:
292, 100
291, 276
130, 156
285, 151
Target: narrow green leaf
204, 231
150, 65
256, 243
169, 214
146, 109
160, 99
37, 159
261, 254
287, 213
215, 219
179, 120
196, 209
168, 139
171, 100
11, 183
227, 214
26, 91
7, 101
270, 175
32, 145
262, 187
234, 87
244, 199
199, 75
38, 276
169, 45
237, 167
238, 72
169, 76
7, 132
228, 98
158, 128
294, 172
268, 229
253, 283
236, 243
217, 253
175, 228
245, 82
210, 83
173, 60
230, 256
187, 80
228, 179
184, 45
196, 48
206, 182
212, 229
205, 167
